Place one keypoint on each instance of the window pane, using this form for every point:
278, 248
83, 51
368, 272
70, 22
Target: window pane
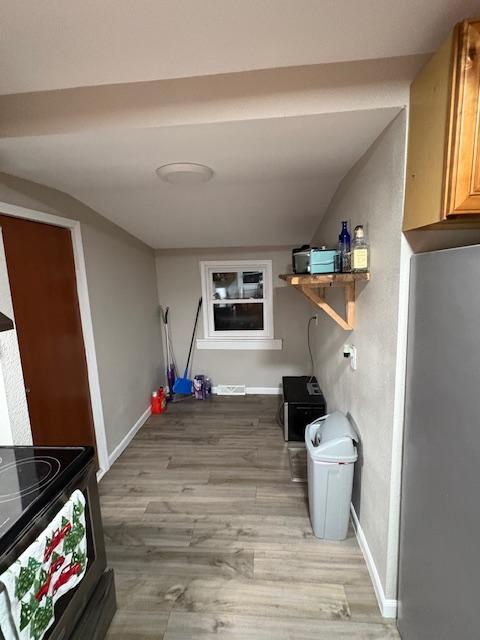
238, 317
235, 285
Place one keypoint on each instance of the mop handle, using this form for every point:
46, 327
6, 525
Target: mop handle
193, 336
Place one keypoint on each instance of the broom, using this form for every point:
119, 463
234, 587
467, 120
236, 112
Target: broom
184, 385
171, 368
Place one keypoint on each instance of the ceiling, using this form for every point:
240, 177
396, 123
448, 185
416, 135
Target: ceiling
67, 43
273, 178
118, 88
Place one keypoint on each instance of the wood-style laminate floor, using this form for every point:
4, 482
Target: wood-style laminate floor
209, 538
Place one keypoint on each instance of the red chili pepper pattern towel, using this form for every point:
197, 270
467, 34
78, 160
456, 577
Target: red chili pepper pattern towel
54, 564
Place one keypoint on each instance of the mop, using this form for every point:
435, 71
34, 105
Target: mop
171, 364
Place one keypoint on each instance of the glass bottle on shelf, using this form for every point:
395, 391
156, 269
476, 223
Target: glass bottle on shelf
344, 248
360, 251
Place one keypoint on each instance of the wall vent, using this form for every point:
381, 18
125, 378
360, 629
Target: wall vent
231, 390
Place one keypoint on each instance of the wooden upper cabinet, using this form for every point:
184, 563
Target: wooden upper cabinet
443, 161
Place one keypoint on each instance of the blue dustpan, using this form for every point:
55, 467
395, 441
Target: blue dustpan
183, 385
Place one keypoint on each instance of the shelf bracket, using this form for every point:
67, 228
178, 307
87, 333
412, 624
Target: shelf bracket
317, 296
314, 287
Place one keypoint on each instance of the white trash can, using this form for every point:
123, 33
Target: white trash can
331, 455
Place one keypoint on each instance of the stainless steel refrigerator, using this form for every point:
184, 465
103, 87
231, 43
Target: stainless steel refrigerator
439, 572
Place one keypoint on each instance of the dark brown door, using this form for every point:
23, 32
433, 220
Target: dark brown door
43, 284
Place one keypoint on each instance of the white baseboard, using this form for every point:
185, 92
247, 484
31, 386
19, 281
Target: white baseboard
388, 606
100, 474
264, 344
264, 391
259, 391
120, 448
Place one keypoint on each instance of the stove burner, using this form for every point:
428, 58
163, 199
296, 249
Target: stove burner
23, 477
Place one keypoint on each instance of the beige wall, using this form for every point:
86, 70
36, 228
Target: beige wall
372, 194
179, 287
122, 289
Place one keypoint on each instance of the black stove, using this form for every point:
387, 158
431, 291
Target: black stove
29, 478
35, 483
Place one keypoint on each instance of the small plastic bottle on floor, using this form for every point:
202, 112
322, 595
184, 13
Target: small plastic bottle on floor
158, 401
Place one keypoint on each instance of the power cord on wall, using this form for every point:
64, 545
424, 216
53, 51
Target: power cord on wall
280, 408
310, 348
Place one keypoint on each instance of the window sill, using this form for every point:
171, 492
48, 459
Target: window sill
268, 344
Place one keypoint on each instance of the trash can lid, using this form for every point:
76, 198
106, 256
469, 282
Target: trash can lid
331, 439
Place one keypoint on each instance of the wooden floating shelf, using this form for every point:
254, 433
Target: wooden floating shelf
315, 286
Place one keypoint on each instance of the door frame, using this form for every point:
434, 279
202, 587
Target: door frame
85, 317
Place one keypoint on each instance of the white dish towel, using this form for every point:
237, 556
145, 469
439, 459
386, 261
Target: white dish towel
52, 565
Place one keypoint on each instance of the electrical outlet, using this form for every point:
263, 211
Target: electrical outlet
353, 358
350, 352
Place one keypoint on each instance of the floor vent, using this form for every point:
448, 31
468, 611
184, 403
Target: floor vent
231, 390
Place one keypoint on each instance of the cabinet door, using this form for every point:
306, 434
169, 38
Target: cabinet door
463, 170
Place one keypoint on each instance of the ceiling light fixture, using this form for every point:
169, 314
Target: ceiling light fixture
184, 173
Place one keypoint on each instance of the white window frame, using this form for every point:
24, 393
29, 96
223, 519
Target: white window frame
246, 339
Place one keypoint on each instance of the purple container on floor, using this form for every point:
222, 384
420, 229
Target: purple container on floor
199, 387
